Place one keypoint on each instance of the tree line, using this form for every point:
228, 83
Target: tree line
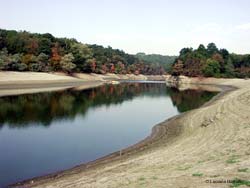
211, 62
164, 60
24, 51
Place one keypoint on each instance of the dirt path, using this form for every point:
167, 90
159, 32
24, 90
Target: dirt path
211, 143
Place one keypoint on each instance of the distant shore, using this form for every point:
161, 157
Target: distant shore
14, 83
208, 143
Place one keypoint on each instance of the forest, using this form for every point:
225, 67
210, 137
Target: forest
24, 51
164, 60
211, 62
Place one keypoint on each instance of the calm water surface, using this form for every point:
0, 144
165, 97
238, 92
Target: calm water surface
46, 132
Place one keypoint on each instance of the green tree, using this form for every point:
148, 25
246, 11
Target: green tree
1, 63
212, 68
177, 68
42, 57
22, 67
66, 63
89, 66
45, 45
229, 68
185, 51
224, 53
202, 50
81, 54
211, 48
3, 58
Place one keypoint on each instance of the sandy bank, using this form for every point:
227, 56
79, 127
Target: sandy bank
203, 145
16, 83
9, 80
25, 78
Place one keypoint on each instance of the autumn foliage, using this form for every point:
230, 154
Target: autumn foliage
24, 51
211, 62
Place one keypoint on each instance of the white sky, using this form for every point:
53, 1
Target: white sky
150, 26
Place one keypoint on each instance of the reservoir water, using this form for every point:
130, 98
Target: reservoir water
46, 132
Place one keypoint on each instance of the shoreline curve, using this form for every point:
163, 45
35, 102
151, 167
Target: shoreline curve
166, 130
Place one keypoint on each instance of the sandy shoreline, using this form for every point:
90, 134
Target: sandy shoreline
15, 83
208, 143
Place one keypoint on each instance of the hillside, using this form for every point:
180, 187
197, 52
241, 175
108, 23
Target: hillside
24, 51
163, 60
211, 62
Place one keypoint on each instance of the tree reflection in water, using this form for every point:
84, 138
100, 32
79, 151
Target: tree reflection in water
43, 108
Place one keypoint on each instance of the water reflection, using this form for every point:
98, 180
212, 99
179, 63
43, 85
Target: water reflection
45, 132
189, 99
43, 108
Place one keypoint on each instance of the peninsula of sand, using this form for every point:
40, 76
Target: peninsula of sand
205, 147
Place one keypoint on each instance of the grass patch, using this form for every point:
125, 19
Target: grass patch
197, 174
184, 167
238, 182
215, 176
242, 169
141, 179
246, 126
154, 178
232, 159
201, 161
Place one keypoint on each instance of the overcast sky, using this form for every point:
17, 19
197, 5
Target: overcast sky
150, 26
